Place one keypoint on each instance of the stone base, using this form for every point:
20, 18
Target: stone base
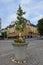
19, 61
20, 51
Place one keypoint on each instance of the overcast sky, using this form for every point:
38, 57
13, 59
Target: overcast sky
8, 9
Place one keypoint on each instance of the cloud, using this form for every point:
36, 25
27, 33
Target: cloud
5, 1
36, 18
8, 20
37, 11
33, 9
25, 1
11, 18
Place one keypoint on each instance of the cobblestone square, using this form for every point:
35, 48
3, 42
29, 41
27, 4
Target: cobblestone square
34, 52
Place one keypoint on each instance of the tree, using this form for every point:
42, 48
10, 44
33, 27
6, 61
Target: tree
40, 26
4, 34
21, 22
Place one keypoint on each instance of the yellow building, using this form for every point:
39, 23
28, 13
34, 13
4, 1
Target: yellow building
11, 32
30, 31
34, 31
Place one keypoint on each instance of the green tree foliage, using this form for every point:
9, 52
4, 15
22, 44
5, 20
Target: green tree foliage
21, 21
20, 25
40, 26
4, 34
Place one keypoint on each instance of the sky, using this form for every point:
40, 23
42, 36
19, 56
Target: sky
8, 10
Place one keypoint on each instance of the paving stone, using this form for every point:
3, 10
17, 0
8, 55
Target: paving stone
34, 53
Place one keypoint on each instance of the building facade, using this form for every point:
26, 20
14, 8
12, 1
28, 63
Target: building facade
30, 31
